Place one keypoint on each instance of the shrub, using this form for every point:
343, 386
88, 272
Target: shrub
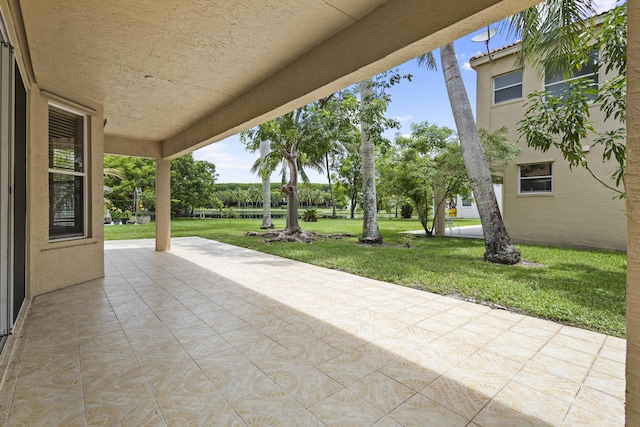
116, 214
407, 211
229, 213
310, 215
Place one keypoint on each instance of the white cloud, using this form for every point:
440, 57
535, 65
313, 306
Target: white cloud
403, 119
233, 164
466, 66
604, 5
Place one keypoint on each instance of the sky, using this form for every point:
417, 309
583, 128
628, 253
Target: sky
423, 98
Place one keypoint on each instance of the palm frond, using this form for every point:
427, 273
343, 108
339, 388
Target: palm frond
428, 61
550, 32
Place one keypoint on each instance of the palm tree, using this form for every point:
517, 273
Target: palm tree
293, 138
304, 194
498, 246
265, 173
255, 194
548, 31
237, 194
370, 231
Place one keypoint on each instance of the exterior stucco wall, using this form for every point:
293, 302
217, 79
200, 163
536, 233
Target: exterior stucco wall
580, 211
632, 406
55, 265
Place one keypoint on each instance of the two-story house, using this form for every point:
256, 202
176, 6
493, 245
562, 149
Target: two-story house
544, 200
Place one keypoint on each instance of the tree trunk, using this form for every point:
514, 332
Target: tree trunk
333, 200
353, 207
370, 231
439, 219
498, 246
291, 190
265, 148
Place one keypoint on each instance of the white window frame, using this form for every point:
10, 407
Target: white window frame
84, 174
495, 89
520, 178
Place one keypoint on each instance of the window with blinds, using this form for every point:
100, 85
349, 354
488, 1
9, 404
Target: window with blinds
67, 175
507, 87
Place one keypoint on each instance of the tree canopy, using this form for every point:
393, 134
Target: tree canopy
192, 183
429, 162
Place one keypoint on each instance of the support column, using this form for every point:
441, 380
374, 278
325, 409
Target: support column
163, 205
632, 179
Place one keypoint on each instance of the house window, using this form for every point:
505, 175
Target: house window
557, 82
466, 202
67, 174
507, 87
536, 178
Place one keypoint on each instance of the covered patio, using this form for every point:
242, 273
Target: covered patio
212, 334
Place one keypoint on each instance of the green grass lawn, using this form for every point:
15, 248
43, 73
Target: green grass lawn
585, 288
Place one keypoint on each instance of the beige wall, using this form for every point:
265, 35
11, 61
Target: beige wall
54, 265
580, 211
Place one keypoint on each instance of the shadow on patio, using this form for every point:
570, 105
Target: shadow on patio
212, 334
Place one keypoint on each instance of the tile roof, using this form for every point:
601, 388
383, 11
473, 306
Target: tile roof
482, 55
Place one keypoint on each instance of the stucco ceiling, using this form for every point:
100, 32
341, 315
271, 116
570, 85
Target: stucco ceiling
185, 73
156, 65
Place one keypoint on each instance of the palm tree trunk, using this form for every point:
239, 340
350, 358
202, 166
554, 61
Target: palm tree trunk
498, 246
370, 231
265, 148
333, 200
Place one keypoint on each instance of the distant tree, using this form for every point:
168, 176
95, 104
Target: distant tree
293, 139
237, 195
133, 172
340, 196
192, 185
255, 195
349, 177
426, 161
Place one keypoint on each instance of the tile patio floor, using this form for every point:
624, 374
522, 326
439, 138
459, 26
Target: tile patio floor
211, 334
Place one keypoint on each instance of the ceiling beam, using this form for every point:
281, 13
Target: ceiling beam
121, 146
395, 32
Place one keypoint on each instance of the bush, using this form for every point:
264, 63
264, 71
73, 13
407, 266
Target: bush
406, 211
229, 213
310, 215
